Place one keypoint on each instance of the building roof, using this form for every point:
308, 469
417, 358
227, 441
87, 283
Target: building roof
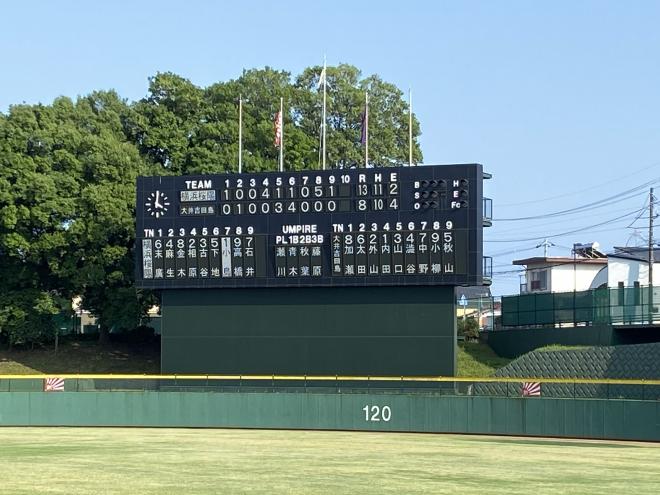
635, 253
560, 260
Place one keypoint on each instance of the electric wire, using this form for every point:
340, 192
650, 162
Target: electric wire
617, 198
581, 191
561, 234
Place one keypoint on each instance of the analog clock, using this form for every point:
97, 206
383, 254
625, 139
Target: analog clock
157, 204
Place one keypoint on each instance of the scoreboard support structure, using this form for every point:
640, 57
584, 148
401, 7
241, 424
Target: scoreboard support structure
314, 272
383, 331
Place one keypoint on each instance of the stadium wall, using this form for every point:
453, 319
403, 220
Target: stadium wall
576, 418
512, 343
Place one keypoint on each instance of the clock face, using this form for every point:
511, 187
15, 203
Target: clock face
157, 204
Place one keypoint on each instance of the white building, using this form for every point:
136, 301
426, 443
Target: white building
560, 274
629, 267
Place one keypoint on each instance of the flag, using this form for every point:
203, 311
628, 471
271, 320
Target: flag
53, 384
363, 124
321, 78
278, 129
531, 389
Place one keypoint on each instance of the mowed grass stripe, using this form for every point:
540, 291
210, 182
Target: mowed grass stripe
206, 461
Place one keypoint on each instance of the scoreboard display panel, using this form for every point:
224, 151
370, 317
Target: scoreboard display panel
358, 227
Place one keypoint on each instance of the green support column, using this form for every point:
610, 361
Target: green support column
383, 331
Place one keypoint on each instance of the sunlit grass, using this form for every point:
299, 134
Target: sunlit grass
205, 461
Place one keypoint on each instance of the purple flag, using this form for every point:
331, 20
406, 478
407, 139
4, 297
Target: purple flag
363, 123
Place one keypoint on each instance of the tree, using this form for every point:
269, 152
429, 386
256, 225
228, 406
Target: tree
33, 219
68, 172
469, 328
191, 130
100, 263
388, 117
67, 203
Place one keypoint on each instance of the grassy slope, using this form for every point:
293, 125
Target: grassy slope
206, 461
474, 359
83, 357
477, 359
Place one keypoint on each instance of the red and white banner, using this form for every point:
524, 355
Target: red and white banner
54, 385
531, 389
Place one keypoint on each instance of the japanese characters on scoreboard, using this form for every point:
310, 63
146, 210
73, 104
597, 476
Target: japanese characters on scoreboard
359, 227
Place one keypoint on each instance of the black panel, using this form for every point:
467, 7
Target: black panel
361, 227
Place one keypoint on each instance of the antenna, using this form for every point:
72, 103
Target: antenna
546, 244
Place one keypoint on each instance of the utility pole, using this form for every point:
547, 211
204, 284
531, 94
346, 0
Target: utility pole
651, 256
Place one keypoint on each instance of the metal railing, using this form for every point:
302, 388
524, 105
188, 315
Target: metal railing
487, 212
487, 269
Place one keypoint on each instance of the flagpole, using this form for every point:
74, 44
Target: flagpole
366, 129
281, 134
240, 134
410, 127
325, 77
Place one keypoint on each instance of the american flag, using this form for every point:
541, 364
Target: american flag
53, 384
278, 129
531, 389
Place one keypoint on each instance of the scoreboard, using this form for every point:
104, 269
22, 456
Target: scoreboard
357, 227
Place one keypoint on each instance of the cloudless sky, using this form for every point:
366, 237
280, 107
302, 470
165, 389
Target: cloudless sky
558, 100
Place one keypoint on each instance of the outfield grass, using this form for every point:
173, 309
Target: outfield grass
203, 461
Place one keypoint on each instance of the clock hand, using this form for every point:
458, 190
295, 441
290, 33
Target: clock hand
157, 203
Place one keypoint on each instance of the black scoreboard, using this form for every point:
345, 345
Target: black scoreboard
359, 227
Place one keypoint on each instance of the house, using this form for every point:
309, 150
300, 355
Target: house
629, 267
563, 273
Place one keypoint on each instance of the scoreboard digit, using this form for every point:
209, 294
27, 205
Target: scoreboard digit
359, 227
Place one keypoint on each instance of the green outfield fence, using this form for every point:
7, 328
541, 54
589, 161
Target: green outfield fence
610, 306
595, 409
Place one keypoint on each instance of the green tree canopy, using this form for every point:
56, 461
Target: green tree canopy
190, 130
68, 172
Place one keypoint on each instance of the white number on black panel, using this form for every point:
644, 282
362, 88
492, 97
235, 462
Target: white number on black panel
377, 413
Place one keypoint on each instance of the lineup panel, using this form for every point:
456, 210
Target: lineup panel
359, 227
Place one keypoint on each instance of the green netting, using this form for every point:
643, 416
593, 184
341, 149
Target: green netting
598, 306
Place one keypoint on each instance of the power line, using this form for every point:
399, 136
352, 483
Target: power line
617, 198
540, 228
581, 191
588, 227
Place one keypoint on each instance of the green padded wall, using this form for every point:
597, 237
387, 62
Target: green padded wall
383, 331
584, 418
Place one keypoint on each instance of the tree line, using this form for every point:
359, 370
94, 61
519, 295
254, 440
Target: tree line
68, 172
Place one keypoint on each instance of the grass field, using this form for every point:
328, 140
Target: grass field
168, 461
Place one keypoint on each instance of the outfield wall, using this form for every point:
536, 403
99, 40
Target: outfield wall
581, 418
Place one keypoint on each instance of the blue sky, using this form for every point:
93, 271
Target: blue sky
559, 100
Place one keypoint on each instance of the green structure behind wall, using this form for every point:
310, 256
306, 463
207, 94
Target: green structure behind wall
382, 331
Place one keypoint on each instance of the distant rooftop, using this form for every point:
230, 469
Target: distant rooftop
635, 253
560, 260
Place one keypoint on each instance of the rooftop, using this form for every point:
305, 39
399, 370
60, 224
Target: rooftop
560, 260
